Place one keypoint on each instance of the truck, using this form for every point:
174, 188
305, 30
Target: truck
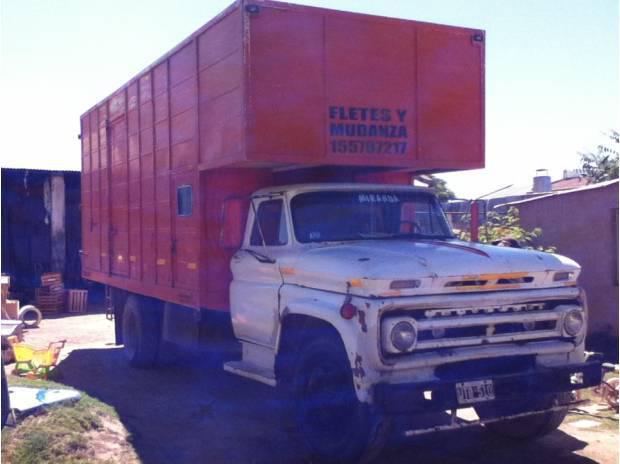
256, 182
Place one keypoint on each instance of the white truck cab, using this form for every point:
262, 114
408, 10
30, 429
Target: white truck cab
363, 290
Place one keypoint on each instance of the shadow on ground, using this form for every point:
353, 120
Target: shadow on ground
193, 412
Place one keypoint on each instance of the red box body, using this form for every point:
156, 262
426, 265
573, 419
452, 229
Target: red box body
261, 91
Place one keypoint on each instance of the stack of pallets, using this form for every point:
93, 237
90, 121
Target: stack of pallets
51, 295
77, 300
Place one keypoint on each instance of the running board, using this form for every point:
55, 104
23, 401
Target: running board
250, 371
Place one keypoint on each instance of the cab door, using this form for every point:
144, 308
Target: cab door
256, 274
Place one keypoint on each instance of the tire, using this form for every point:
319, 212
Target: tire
30, 316
141, 332
335, 426
528, 427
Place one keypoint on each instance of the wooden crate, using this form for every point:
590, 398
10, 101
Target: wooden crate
50, 297
77, 300
51, 278
10, 309
5, 284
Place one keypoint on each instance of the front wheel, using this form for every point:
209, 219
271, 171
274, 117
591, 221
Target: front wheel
335, 425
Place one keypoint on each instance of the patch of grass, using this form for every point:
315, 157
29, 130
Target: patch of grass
58, 434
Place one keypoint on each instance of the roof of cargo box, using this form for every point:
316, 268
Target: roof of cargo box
249, 3
274, 85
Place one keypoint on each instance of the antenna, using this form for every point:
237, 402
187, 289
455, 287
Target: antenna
491, 193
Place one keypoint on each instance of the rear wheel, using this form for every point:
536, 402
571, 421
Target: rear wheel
141, 331
528, 427
335, 425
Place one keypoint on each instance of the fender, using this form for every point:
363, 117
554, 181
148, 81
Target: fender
356, 338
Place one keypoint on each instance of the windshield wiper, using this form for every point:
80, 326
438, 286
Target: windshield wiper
399, 235
375, 235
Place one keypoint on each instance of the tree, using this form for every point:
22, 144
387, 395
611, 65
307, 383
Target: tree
499, 226
440, 187
602, 164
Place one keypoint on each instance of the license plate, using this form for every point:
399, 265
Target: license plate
475, 391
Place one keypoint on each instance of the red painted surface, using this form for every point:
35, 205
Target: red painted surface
565, 184
344, 96
474, 214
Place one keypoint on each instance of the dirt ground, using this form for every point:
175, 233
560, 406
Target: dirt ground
193, 412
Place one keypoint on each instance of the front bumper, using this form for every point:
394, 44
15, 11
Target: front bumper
410, 398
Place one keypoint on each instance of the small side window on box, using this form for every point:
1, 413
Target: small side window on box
184, 200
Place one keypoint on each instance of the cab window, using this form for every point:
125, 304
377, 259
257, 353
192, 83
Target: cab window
270, 215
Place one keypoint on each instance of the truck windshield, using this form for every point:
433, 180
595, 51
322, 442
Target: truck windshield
357, 215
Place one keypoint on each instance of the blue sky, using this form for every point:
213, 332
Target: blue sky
552, 73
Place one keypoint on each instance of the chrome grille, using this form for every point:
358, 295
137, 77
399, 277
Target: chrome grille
496, 327
508, 308
478, 325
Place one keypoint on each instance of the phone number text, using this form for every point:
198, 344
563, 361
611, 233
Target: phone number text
368, 147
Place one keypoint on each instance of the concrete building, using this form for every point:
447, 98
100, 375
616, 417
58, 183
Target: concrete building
582, 223
40, 226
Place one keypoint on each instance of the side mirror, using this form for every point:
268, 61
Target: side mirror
232, 222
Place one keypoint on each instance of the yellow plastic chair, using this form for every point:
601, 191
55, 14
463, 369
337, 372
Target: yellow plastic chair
35, 362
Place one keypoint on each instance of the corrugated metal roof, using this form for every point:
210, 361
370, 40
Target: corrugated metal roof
38, 170
512, 191
565, 184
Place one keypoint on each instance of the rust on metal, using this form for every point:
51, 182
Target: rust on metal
355, 283
361, 317
358, 370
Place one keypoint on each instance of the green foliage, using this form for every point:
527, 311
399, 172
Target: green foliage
602, 165
441, 189
59, 433
499, 226
55, 435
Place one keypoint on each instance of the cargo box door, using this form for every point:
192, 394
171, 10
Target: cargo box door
186, 240
90, 194
119, 199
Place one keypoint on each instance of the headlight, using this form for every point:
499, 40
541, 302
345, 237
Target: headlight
563, 276
573, 322
403, 336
